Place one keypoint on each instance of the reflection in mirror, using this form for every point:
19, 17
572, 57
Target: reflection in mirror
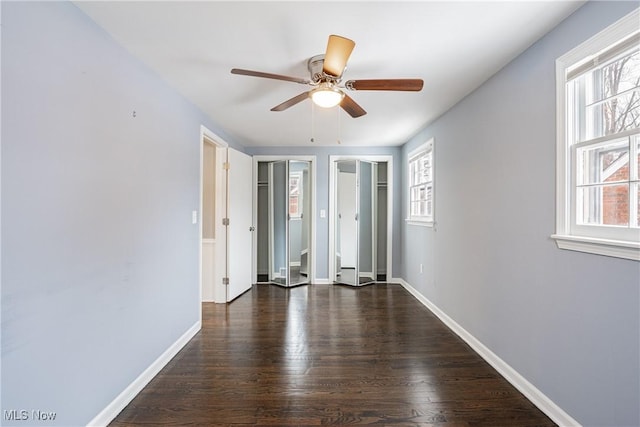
278, 222
367, 229
298, 228
356, 222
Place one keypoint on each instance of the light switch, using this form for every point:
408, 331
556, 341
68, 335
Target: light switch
194, 217
323, 213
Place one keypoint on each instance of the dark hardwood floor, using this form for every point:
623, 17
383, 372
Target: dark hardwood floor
328, 355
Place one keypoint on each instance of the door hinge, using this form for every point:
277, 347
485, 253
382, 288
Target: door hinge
225, 280
226, 166
225, 221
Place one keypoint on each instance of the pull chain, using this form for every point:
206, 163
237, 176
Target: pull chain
313, 128
338, 126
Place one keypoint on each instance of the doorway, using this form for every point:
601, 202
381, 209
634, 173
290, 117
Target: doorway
213, 156
356, 211
284, 217
360, 220
225, 220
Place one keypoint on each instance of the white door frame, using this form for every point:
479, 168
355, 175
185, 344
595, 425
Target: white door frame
208, 136
312, 242
332, 225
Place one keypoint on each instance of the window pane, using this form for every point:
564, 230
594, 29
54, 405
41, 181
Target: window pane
603, 162
637, 203
614, 115
615, 205
426, 173
412, 172
419, 193
294, 196
607, 100
293, 206
417, 209
616, 77
635, 165
603, 205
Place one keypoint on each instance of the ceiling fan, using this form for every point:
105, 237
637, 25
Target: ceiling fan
326, 79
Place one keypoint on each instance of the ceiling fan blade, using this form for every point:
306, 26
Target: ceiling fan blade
337, 54
352, 107
413, 85
291, 102
268, 76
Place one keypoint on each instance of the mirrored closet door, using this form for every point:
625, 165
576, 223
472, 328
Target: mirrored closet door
286, 214
356, 211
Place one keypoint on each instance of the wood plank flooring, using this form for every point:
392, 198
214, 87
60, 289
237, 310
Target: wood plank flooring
328, 355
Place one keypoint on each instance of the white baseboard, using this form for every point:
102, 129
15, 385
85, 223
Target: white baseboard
123, 399
322, 281
530, 391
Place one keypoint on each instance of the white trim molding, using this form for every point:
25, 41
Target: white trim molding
109, 413
537, 397
592, 245
429, 224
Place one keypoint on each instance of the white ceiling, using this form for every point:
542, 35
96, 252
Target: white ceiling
454, 46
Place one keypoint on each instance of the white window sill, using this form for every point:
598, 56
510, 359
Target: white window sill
420, 222
612, 248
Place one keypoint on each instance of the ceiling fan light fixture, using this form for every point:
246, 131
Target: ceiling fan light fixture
326, 96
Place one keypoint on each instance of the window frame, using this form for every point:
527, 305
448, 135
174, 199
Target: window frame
428, 147
569, 234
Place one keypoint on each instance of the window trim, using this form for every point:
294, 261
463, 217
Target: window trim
428, 145
563, 235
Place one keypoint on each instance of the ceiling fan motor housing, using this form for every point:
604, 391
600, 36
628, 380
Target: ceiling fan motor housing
315, 65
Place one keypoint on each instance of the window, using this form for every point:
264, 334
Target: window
421, 186
295, 195
598, 187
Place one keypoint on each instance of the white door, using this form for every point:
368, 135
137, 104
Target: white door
239, 179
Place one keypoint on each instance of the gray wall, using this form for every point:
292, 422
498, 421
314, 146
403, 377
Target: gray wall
99, 256
322, 154
566, 321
